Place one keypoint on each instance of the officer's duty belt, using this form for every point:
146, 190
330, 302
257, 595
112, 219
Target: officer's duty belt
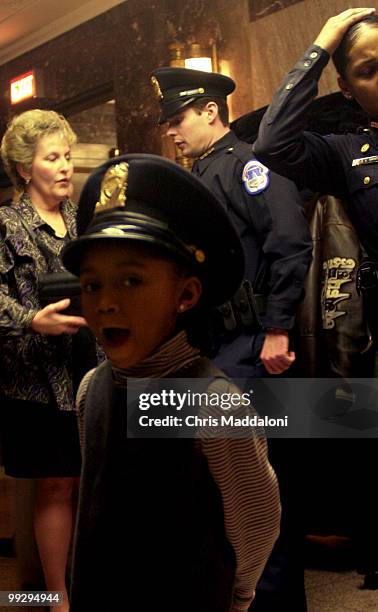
243, 313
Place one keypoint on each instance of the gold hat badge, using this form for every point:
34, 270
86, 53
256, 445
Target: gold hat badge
113, 188
156, 86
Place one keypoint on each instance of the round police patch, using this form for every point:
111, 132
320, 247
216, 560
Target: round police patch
255, 177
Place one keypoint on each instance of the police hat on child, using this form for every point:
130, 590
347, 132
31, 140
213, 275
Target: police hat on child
178, 87
149, 199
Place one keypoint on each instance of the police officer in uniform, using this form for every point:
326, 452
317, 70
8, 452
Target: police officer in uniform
267, 213
345, 166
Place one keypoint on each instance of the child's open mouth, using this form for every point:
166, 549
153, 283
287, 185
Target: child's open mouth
115, 336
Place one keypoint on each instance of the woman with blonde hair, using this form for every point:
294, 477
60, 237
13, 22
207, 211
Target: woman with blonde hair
40, 439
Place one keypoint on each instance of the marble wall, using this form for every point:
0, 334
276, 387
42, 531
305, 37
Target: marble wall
96, 125
262, 8
279, 39
112, 56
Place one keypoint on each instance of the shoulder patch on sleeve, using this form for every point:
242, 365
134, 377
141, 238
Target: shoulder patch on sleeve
255, 177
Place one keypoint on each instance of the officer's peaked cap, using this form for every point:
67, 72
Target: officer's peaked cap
178, 87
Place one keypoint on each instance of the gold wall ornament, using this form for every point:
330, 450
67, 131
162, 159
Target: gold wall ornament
113, 188
156, 86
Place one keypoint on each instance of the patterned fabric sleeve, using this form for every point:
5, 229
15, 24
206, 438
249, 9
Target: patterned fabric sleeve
15, 320
251, 501
33, 367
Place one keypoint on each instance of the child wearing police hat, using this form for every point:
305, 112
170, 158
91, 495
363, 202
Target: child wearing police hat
155, 249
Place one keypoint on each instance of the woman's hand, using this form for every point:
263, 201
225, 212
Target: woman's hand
334, 29
50, 321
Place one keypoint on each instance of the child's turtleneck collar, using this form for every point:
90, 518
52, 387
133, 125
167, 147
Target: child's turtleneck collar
173, 355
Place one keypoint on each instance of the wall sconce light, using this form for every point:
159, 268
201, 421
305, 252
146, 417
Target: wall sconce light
199, 59
176, 55
194, 57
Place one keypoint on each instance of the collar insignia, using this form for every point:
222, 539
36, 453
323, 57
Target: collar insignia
206, 153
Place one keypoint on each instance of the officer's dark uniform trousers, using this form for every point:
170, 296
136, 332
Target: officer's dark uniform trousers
345, 166
270, 221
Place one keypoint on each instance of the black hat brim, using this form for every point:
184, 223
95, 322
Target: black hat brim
170, 110
74, 251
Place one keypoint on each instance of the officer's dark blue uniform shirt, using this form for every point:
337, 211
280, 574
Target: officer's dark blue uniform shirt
345, 166
266, 210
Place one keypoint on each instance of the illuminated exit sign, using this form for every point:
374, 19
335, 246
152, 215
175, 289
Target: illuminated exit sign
23, 87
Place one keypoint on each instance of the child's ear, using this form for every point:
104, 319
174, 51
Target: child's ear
190, 294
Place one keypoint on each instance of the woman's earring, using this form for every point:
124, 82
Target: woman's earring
27, 180
181, 308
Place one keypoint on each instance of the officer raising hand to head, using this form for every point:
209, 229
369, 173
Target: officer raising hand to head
345, 166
